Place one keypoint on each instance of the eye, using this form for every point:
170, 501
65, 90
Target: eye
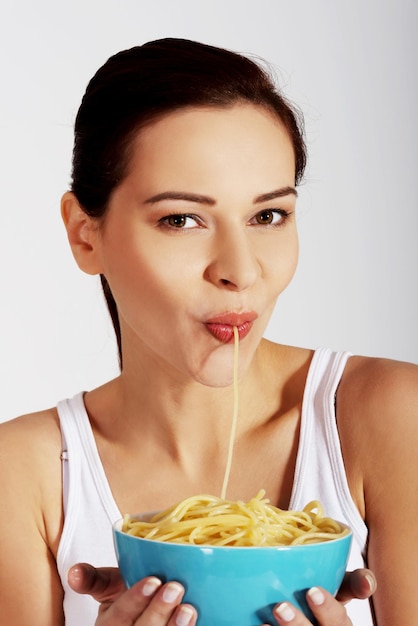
270, 217
179, 221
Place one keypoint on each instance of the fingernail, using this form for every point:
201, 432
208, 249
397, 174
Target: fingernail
184, 616
371, 582
285, 612
151, 586
172, 592
316, 596
75, 572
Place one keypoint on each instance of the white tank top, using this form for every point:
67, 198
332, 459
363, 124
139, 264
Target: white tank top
90, 508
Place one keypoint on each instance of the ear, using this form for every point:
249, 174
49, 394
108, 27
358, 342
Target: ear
83, 234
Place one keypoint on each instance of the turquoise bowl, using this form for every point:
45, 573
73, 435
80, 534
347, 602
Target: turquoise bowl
234, 585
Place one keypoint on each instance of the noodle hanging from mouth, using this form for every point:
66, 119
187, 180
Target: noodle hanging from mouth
234, 416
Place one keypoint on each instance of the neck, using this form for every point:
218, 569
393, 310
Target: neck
178, 413
179, 410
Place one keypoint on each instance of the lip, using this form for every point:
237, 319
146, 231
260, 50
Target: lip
222, 326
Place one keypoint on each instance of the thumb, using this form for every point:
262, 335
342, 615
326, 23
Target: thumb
104, 584
361, 584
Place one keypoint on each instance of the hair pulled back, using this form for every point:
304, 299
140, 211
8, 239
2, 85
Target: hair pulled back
137, 86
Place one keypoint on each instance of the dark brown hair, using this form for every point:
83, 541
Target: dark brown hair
135, 87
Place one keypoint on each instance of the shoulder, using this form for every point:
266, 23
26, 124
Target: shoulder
380, 388
31, 518
377, 397
35, 434
33, 438
377, 414
30, 466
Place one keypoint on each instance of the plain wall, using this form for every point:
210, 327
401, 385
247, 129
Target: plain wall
351, 66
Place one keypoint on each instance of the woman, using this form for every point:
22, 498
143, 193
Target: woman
185, 171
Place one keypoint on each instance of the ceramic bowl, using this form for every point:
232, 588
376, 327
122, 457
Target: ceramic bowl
235, 585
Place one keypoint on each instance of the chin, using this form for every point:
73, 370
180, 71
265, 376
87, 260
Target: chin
216, 368
217, 374
215, 381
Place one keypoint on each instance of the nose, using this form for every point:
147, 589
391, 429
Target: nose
234, 264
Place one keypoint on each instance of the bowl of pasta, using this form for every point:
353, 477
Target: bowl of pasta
236, 560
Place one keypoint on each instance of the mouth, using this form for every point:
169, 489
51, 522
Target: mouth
222, 326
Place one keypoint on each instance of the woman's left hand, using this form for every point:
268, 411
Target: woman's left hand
329, 611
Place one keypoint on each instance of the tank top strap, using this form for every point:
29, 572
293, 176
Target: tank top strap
320, 472
80, 456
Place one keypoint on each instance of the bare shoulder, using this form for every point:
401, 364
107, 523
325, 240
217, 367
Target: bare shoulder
31, 443
31, 518
380, 371
377, 405
30, 447
381, 388
34, 434
377, 414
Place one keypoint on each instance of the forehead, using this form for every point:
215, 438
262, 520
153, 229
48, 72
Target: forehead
212, 144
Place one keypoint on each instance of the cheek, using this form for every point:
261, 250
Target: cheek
136, 282
281, 261
293, 258
148, 283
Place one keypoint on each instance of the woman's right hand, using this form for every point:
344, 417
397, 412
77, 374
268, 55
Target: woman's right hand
147, 603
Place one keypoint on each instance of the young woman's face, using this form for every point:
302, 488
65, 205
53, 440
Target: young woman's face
201, 236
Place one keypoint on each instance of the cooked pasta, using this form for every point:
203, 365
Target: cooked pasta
234, 416
209, 520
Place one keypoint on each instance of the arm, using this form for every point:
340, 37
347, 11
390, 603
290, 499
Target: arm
391, 495
30, 513
379, 430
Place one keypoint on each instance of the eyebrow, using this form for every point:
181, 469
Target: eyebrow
278, 193
181, 195
201, 199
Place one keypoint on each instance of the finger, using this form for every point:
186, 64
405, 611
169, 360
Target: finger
359, 584
103, 584
286, 614
326, 609
184, 615
145, 604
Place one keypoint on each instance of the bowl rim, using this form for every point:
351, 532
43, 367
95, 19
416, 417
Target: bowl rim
117, 529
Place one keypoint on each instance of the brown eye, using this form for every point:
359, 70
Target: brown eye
177, 221
264, 217
270, 217
180, 221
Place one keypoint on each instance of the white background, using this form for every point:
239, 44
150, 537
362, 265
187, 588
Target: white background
350, 65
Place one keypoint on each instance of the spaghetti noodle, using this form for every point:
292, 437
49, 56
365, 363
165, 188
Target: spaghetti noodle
209, 520
234, 416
